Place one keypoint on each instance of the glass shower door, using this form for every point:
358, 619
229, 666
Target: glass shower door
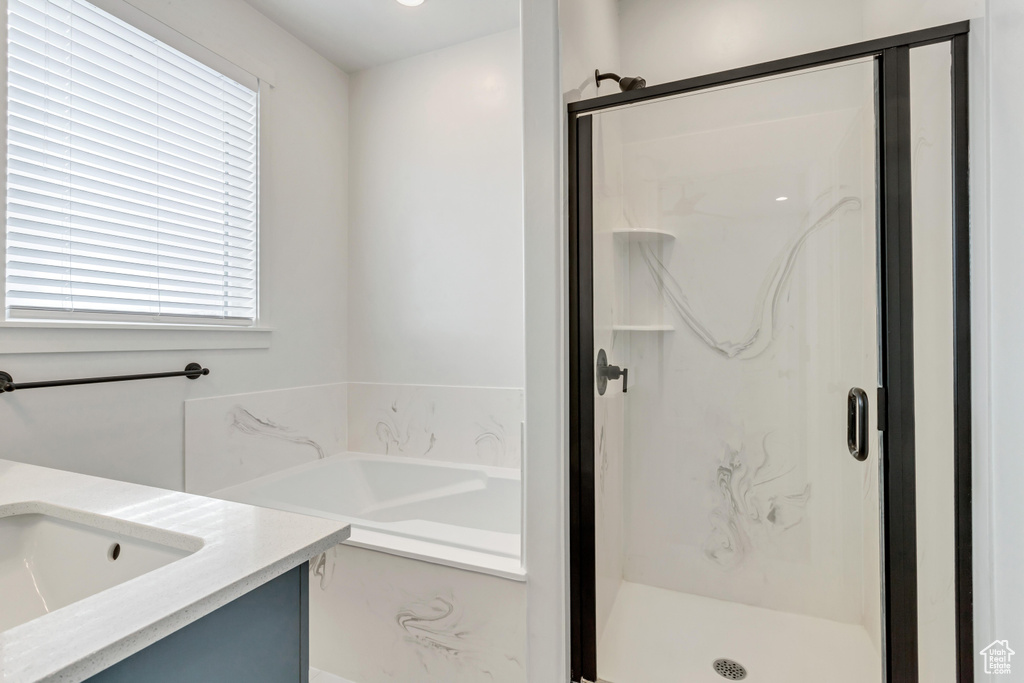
735, 308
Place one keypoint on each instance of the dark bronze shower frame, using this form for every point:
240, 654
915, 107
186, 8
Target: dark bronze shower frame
899, 538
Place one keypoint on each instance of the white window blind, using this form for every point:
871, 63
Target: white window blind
131, 175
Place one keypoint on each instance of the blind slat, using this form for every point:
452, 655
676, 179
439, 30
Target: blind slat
57, 268
127, 142
79, 241
127, 54
103, 198
127, 108
25, 161
129, 226
131, 173
105, 159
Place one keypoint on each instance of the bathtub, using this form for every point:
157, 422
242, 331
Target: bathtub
465, 516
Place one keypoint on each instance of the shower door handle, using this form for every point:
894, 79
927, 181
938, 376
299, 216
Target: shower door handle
857, 423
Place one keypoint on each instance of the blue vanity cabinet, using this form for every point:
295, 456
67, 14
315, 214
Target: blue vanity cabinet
261, 637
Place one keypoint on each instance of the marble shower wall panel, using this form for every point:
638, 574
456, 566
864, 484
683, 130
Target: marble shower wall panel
478, 425
610, 297
232, 439
609, 417
389, 619
738, 482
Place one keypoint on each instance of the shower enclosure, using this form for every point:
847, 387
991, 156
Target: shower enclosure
769, 343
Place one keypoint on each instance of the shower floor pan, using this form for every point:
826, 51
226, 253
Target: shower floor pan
660, 635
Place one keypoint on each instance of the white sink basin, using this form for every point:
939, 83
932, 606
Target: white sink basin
48, 561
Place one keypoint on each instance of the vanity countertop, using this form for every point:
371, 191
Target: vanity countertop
243, 547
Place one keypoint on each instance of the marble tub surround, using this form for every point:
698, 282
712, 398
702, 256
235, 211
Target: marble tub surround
475, 425
396, 620
261, 449
232, 439
430, 586
237, 548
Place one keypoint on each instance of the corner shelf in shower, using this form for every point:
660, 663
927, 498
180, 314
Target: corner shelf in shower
655, 239
643, 328
643, 234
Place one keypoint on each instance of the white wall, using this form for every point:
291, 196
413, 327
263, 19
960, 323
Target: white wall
981, 347
889, 17
931, 130
665, 40
1005, 170
436, 241
545, 463
590, 40
134, 431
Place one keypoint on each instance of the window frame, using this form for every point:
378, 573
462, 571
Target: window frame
23, 335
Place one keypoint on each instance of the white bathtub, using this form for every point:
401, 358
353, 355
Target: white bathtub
466, 516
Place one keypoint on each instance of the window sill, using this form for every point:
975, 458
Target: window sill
43, 337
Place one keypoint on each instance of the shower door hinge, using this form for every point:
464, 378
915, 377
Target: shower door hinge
883, 422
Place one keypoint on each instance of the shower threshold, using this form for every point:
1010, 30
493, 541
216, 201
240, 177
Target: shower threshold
655, 634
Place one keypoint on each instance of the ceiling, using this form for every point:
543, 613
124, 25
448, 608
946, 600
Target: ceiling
358, 34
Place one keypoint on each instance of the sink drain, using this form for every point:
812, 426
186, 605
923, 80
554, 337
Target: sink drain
732, 670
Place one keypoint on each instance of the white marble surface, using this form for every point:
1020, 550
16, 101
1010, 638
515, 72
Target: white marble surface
232, 439
478, 425
610, 294
389, 619
242, 548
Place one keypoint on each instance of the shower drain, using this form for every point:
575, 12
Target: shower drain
727, 668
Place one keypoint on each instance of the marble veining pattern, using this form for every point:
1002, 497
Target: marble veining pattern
397, 620
321, 567
233, 439
602, 455
746, 517
442, 640
432, 624
476, 425
246, 423
492, 442
761, 327
396, 429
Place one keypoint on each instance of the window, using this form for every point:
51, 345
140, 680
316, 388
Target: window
131, 175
